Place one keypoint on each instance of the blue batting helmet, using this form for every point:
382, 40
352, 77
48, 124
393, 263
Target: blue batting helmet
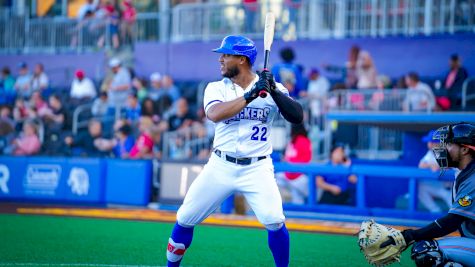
239, 46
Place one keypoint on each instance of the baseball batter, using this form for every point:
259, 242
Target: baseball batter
240, 161
456, 150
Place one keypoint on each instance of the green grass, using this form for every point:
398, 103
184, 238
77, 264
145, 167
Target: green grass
65, 240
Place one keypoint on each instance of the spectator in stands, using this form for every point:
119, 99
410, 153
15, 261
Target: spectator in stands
288, 71
453, 83
124, 141
170, 88
120, 86
100, 105
23, 81
38, 104
351, 78
140, 87
156, 91
82, 89
298, 150
6, 116
28, 143
419, 95
183, 118
143, 147
292, 7
89, 7
318, 87
251, 8
56, 118
7, 86
429, 191
22, 110
111, 15
40, 80
366, 73
162, 99
7, 128
57, 121
87, 143
87, 29
149, 109
348, 72
128, 21
337, 189
133, 109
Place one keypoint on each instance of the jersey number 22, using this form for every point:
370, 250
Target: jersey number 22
259, 133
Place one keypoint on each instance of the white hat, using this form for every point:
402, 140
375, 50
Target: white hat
155, 77
114, 62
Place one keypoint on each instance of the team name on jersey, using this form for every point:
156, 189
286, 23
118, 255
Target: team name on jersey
249, 113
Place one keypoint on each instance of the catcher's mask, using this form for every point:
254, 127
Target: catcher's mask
461, 133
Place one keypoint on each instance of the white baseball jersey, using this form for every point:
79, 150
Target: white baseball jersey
247, 133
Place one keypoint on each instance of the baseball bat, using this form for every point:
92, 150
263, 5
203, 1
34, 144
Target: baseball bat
268, 39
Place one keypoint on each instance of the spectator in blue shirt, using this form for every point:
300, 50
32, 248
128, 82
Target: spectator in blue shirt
288, 71
125, 141
133, 109
337, 189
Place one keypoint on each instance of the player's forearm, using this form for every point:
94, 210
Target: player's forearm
440, 227
226, 110
290, 109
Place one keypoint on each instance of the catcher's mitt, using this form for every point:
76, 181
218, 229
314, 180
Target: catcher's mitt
370, 238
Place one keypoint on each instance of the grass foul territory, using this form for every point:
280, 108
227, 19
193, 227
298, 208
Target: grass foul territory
33, 240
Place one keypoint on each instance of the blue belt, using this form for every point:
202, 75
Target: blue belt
240, 161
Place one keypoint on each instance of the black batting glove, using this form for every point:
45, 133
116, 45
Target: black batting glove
265, 74
261, 85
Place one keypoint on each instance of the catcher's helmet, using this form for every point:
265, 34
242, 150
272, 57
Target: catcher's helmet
460, 133
239, 46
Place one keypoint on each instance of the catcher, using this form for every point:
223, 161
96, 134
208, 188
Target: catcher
383, 245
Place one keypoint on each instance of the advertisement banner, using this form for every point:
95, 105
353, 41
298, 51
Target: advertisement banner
56, 179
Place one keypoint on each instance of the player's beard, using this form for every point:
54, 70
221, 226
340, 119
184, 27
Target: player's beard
231, 72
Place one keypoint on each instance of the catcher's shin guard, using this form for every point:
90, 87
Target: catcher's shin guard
427, 254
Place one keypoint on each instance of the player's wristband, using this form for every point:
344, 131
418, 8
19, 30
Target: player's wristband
249, 97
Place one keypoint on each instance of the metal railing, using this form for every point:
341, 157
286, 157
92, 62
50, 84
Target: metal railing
82, 114
316, 19
468, 92
61, 34
379, 100
192, 142
313, 19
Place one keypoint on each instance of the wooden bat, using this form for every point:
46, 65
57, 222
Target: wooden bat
268, 39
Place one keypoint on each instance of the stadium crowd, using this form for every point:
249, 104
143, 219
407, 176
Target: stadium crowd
129, 114
126, 118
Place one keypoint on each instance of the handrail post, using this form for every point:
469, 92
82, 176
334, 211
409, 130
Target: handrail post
412, 194
360, 192
312, 190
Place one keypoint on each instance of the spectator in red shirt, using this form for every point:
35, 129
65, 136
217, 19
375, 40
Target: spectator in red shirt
144, 144
298, 150
250, 8
128, 21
